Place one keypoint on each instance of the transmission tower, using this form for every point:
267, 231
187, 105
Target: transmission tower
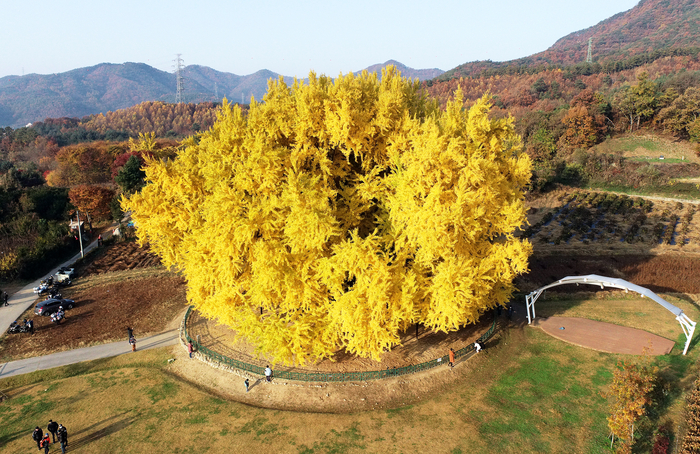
180, 91
589, 56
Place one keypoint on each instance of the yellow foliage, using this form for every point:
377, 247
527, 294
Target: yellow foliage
340, 212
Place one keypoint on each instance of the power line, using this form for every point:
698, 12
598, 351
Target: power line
179, 80
589, 57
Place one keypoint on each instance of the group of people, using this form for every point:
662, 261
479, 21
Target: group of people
451, 353
43, 440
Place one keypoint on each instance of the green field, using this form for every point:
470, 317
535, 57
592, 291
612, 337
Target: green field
528, 393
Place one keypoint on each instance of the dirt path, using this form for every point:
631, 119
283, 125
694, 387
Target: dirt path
649, 197
343, 397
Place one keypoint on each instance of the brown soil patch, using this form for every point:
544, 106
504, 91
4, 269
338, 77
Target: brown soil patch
126, 255
344, 397
429, 346
105, 305
659, 273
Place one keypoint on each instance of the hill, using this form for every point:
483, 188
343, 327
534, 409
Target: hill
421, 74
109, 87
652, 29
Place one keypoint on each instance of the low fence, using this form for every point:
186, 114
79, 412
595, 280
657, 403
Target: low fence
213, 356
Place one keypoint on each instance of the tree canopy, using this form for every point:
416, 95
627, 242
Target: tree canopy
340, 212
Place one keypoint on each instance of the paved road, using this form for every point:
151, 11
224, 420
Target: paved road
24, 366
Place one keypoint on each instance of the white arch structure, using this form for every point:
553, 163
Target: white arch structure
687, 324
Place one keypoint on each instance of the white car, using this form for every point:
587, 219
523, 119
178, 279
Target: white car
65, 270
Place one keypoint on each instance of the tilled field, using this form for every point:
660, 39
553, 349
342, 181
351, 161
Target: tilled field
659, 273
118, 257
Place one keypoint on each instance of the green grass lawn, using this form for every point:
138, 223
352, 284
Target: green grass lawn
530, 393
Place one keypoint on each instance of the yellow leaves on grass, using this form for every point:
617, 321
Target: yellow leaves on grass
340, 212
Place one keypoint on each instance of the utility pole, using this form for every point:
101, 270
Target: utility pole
589, 57
80, 234
179, 79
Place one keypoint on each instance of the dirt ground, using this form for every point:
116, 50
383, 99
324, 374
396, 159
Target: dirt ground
428, 346
659, 273
147, 299
118, 257
341, 397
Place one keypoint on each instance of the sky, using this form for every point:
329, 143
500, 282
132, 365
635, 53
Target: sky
290, 38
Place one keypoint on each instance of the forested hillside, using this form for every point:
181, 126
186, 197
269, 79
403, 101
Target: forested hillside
653, 29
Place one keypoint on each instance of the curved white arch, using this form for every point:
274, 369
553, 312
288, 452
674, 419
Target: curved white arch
687, 324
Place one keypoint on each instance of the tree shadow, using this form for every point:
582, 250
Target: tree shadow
92, 434
7, 438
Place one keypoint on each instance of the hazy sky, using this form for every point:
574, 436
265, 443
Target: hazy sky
289, 38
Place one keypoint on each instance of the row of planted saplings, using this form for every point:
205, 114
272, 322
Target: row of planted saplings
575, 216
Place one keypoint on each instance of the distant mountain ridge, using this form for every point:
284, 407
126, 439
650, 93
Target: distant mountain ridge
421, 74
109, 87
651, 25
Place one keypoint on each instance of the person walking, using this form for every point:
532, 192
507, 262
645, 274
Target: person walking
5, 296
132, 342
53, 428
452, 358
510, 312
99, 240
268, 374
129, 333
37, 436
190, 348
247, 384
45, 442
63, 438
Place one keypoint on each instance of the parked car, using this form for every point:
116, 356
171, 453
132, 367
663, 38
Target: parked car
51, 305
64, 273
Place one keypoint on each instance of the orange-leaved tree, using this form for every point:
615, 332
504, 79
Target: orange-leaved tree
93, 200
340, 212
630, 390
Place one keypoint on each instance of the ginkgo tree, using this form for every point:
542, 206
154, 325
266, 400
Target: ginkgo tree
338, 213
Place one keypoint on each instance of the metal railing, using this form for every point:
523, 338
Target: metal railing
330, 376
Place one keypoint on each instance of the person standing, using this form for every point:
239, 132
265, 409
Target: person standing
29, 324
53, 428
129, 333
190, 348
247, 384
132, 342
63, 438
452, 358
477, 346
99, 240
5, 296
45, 442
268, 374
37, 436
